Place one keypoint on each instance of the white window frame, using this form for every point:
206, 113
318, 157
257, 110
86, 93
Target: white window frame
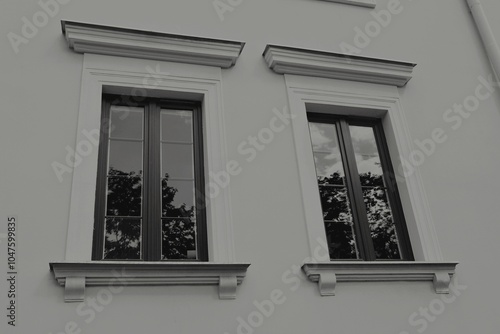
336, 84
107, 73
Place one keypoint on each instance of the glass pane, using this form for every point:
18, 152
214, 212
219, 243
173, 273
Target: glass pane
126, 122
177, 125
327, 158
323, 137
367, 156
124, 196
385, 241
177, 161
123, 239
335, 203
178, 239
377, 205
381, 223
177, 198
125, 157
341, 241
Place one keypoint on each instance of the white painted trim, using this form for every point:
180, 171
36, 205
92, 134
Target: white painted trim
328, 274
361, 99
160, 79
74, 276
99, 39
287, 60
362, 3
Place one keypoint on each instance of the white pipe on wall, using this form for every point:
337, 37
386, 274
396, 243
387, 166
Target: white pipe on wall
489, 41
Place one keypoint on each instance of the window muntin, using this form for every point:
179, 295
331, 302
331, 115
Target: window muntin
362, 212
151, 163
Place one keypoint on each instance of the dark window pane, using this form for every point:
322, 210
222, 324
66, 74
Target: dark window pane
367, 156
125, 157
177, 198
327, 158
124, 196
177, 125
381, 223
377, 205
341, 241
335, 203
123, 239
177, 161
178, 239
385, 241
126, 122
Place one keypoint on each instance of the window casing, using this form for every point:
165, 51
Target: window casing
324, 82
119, 61
150, 202
360, 202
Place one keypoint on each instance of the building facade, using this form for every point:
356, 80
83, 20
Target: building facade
237, 166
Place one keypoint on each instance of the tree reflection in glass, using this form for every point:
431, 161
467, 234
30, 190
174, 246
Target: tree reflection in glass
126, 213
123, 230
337, 215
333, 192
178, 213
123, 214
378, 210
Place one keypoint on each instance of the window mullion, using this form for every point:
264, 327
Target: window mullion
153, 184
356, 193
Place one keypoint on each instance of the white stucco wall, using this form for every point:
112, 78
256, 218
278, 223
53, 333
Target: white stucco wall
40, 91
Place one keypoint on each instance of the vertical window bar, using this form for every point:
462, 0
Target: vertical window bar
154, 184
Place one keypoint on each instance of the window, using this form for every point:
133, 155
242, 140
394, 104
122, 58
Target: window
168, 69
348, 98
149, 201
360, 202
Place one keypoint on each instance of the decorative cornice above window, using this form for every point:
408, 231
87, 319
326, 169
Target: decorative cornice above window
114, 41
329, 273
74, 276
288, 60
362, 3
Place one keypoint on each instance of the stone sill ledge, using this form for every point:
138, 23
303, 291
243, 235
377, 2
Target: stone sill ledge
74, 276
329, 273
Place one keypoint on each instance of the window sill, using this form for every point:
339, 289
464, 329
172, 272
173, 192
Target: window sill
74, 276
362, 3
328, 274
